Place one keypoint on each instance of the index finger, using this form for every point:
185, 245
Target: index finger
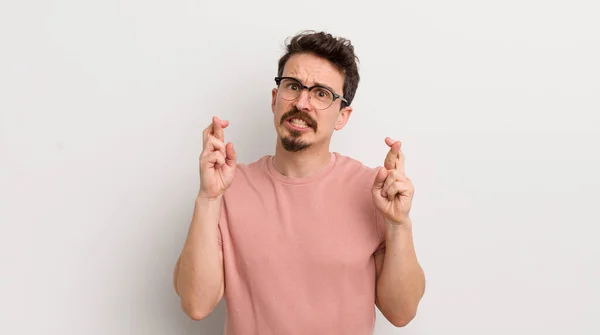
218, 128
400, 162
391, 160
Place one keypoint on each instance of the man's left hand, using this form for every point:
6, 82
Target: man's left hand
392, 191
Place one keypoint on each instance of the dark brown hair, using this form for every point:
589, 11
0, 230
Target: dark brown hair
337, 50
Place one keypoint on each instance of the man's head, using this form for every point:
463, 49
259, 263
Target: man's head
316, 82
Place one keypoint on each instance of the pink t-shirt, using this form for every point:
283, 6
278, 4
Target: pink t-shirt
298, 253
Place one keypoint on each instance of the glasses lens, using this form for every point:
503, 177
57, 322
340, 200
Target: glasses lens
289, 89
321, 97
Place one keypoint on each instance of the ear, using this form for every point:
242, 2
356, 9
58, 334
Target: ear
273, 99
343, 117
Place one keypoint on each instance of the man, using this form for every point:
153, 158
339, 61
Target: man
305, 241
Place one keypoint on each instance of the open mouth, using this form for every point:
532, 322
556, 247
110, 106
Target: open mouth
298, 121
298, 124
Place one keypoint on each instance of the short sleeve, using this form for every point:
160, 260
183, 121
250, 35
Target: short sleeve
381, 232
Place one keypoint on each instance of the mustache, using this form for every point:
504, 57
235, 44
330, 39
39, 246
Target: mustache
295, 113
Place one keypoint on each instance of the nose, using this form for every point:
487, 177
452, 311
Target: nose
303, 102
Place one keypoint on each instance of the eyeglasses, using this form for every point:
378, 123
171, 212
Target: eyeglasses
321, 97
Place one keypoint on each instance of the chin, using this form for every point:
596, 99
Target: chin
294, 144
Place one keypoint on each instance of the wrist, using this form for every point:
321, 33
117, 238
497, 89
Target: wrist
402, 226
208, 203
204, 198
207, 210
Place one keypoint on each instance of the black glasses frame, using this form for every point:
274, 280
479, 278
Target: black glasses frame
335, 95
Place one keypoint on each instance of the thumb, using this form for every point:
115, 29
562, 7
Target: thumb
380, 179
230, 155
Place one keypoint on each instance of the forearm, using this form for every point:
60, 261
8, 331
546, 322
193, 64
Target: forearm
199, 272
401, 283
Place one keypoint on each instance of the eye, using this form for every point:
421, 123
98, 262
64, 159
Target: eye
293, 86
322, 93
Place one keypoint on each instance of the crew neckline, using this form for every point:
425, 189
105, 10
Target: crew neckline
299, 181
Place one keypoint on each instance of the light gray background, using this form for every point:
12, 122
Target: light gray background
102, 104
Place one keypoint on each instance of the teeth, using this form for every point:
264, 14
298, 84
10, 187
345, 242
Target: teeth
299, 123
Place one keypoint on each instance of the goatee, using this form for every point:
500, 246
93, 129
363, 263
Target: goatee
293, 142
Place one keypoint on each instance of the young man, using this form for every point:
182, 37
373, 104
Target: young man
305, 241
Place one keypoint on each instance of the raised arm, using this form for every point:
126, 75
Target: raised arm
198, 276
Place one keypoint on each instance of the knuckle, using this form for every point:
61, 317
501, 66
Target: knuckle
205, 153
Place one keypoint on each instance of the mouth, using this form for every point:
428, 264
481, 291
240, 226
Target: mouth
298, 124
298, 121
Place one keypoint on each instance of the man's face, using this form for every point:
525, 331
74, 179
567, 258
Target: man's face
298, 124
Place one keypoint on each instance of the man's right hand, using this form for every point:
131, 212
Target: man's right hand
217, 161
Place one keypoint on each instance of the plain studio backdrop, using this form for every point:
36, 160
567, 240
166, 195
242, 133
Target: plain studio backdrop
102, 107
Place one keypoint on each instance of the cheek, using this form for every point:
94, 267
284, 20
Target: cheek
328, 123
279, 109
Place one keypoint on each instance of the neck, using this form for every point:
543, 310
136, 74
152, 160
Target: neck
301, 164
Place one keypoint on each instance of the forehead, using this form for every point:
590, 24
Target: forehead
311, 69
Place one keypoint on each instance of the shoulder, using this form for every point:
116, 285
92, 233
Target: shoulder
354, 170
250, 173
358, 180
257, 166
354, 174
